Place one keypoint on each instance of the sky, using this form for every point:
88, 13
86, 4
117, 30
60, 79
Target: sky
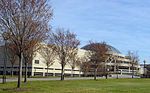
123, 24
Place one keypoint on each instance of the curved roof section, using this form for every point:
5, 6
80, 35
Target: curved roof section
110, 48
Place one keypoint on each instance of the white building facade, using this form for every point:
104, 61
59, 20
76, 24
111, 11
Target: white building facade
38, 67
118, 63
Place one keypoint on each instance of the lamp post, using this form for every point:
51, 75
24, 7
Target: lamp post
5, 37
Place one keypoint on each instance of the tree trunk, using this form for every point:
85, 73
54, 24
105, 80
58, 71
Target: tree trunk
62, 72
132, 71
106, 73
20, 70
72, 72
25, 74
105, 69
47, 72
106, 76
95, 73
5, 67
12, 70
80, 72
117, 73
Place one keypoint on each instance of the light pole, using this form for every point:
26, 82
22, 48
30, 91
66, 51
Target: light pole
5, 37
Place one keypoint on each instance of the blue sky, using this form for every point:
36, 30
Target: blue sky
124, 24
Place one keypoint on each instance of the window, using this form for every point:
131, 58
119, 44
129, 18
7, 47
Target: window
49, 68
38, 68
67, 69
57, 69
36, 61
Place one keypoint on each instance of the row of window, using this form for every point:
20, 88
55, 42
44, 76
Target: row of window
55, 69
16, 67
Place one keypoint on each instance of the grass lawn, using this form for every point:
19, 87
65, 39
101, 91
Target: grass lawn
81, 86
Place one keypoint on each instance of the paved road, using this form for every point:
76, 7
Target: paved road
46, 79
75, 78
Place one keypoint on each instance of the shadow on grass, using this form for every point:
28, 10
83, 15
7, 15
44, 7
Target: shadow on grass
17, 89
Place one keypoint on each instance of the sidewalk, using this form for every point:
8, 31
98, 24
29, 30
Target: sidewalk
66, 78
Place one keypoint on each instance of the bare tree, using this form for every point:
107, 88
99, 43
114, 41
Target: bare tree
73, 57
117, 64
48, 52
73, 60
97, 56
12, 57
65, 41
28, 57
85, 67
113, 58
25, 21
84, 63
5, 39
134, 59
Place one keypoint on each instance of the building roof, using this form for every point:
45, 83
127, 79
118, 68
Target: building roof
110, 48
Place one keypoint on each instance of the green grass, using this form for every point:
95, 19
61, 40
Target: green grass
81, 86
